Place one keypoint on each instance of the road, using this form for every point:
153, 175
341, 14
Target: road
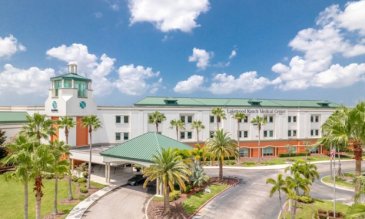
250, 198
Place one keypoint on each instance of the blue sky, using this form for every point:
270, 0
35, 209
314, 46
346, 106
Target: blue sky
294, 49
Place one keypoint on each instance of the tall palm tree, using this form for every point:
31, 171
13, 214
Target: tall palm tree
221, 146
59, 166
219, 113
259, 122
92, 123
39, 126
345, 126
197, 125
156, 118
278, 185
20, 156
67, 123
170, 169
178, 125
239, 116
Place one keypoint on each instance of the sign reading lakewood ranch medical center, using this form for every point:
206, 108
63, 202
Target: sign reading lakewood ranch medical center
257, 111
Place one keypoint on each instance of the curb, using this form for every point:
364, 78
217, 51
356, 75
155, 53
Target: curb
281, 210
337, 187
79, 210
146, 209
203, 205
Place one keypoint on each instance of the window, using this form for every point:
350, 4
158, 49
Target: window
245, 120
211, 119
117, 119
289, 119
126, 136
314, 118
81, 87
265, 134
186, 135
57, 85
317, 132
268, 151
186, 118
182, 118
271, 133
126, 119
243, 152
268, 133
292, 119
243, 134
271, 119
190, 119
67, 83
211, 134
117, 136
314, 132
190, 135
182, 135
292, 133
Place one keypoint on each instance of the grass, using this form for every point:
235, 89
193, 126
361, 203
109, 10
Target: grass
283, 160
12, 198
339, 182
309, 210
192, 203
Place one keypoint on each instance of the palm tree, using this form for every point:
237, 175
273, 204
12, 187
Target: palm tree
259, 122
221, 146
239, 117
20, 156
178, 125
156, 118
307, 170
58, 167
219, 113
197, 125
170, 169
345, 126
92, 123
278, 185
39, 126
67, 123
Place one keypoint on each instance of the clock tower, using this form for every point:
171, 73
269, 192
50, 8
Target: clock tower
71, 95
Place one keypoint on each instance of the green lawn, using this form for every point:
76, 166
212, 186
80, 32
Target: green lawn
283, 160
309, 210
192, 203
12, 196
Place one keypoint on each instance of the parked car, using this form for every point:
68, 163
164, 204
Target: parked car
136, 180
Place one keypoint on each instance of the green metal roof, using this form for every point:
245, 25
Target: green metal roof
143, 147
71, 76
13, 117
233, 102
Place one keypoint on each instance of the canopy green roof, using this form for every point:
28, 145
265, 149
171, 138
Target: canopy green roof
233, 102
143, 147
13, 117
71, 76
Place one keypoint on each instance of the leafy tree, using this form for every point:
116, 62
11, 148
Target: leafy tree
197, 125
169, 169
156, 118
38, 126
259, 122
92, 123
221, 146
279, 185
59, 166
67, 123
178, 125
20, 155
239, 117
219, 113
199, 153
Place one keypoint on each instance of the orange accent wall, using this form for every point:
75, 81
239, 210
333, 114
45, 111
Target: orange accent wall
55, 126
81, 133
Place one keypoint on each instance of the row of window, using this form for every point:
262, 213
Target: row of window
269, 151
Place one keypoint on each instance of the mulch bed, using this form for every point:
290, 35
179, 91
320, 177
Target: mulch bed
155, 208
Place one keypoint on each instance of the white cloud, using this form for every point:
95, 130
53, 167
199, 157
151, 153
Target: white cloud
9, 46
113, 4
233, 54
96, 68
192, 84
246, 82
201, 57
320, 45
167, 15
33, 80
134, 80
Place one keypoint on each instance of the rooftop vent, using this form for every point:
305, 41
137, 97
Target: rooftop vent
170, 101
254, 102
323, 103
72, 68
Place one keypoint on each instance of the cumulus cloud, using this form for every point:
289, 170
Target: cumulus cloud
96, 68
24, 81
246, 82
201, 57
135, 80
337, 33
167, 15
9, 46
233, 54
190, 85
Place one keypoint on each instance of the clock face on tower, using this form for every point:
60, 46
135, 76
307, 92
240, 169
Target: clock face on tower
82, 104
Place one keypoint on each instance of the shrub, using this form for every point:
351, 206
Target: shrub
3, 152
83, 189
305, 199
81, 180
48, 176
174, 195
292, 155
230, 162
85, 174
187, 188
75, 178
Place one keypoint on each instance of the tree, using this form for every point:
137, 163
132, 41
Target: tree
20, 156
169, 169
38, 126
347, 126
239, 117
221, 146
178, 125
219, 113
92, 123
197, 125
278, 185
67, 123
156, 118
259, 122
199, 153
59, 166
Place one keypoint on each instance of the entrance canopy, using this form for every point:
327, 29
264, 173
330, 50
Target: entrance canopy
141, 149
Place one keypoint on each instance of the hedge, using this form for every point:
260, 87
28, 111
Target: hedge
292, 155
